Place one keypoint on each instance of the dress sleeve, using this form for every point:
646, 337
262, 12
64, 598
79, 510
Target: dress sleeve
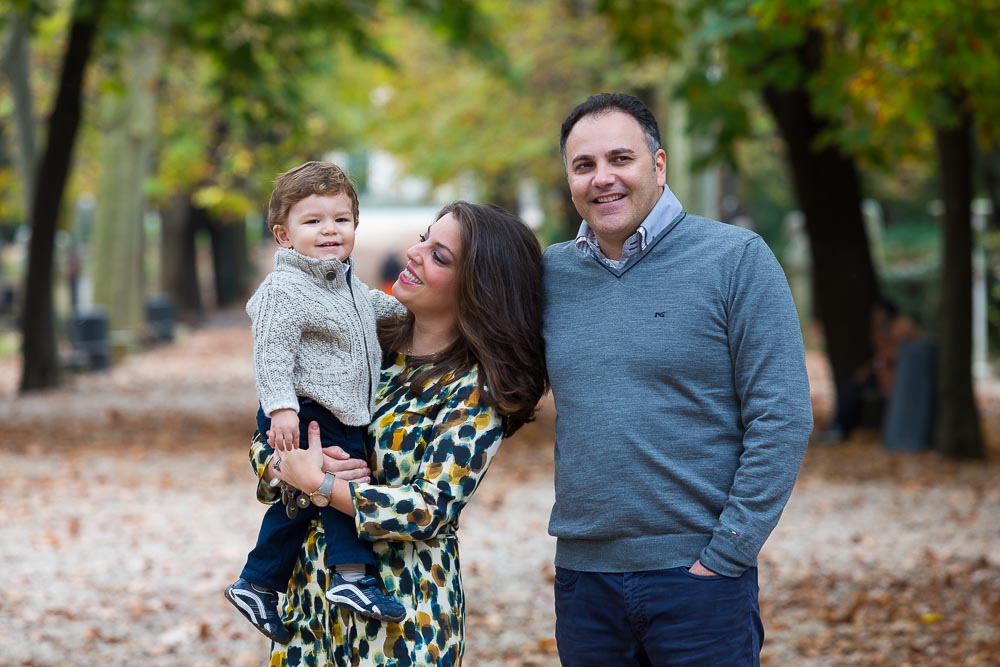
260, 457
465, 437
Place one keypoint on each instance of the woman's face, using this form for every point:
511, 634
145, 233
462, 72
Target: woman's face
428, 286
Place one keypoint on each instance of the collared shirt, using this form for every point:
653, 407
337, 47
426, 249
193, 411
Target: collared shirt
667, 208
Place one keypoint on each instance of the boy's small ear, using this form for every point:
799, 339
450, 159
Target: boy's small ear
281, 236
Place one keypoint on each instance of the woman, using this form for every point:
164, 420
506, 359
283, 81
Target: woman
462, 370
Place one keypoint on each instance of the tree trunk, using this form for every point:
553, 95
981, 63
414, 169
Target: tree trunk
565, 212
958, 432
828, 192
178, 258
230, 261
991, 182
38, 321
129, 127
502, 189
17, 67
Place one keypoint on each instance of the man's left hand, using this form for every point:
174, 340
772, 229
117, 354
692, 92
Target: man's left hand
701, 570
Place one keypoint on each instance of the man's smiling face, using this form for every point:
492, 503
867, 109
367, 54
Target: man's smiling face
613, 179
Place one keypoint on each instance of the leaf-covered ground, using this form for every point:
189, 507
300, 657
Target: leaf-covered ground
128, 506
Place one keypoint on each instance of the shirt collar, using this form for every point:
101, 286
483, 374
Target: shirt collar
666, 209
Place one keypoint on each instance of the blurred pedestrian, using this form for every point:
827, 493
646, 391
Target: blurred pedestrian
391, 267
870, 387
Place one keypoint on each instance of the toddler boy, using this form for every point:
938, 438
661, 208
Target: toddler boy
316, 358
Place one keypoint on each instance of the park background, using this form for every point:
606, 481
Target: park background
138, 144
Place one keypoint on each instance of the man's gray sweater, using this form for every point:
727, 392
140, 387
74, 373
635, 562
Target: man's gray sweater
682, 399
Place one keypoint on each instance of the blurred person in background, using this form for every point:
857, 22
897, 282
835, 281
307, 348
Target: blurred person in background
864, 398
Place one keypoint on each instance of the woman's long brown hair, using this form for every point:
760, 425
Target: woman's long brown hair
499, 314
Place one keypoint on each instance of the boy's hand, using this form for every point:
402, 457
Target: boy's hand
284, 433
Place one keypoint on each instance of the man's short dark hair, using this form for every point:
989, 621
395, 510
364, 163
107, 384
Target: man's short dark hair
605, 103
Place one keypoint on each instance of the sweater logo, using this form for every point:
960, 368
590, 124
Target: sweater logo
660, 314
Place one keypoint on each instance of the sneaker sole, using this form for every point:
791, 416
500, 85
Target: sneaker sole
348, 602
281, 639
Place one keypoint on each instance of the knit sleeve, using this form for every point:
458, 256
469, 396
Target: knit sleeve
276, 322
765, 343
465, 437
386, 306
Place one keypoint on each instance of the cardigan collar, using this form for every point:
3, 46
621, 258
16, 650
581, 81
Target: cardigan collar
321, 270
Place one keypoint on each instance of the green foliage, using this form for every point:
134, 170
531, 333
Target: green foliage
644, 28
242, 89
271, 88
885, 68
892, 73
461, 115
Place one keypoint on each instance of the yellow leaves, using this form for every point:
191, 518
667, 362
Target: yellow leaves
226, 204
242, 162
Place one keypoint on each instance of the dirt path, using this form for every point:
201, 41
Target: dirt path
124, 522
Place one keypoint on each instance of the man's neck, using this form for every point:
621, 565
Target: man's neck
613, 248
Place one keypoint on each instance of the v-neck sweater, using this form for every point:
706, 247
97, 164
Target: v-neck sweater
682, 400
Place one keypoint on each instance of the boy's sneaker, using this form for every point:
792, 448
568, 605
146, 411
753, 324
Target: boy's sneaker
260, 606
365, 596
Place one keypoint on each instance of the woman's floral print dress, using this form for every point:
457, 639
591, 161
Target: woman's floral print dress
427, 457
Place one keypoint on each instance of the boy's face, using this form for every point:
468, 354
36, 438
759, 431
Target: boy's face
319, 226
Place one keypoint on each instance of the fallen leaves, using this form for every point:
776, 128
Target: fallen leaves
926, 618
129, 506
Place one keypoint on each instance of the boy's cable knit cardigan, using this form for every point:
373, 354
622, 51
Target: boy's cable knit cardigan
314, 335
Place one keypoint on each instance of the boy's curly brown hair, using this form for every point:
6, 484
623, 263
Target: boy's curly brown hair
310, 178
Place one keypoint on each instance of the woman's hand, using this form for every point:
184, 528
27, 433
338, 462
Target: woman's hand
301, 468
340, 463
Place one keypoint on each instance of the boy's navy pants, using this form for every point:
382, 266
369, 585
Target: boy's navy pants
271, 562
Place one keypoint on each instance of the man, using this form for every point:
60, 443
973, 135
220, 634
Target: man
678, 372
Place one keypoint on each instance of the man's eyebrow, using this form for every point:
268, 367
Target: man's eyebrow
613, 152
